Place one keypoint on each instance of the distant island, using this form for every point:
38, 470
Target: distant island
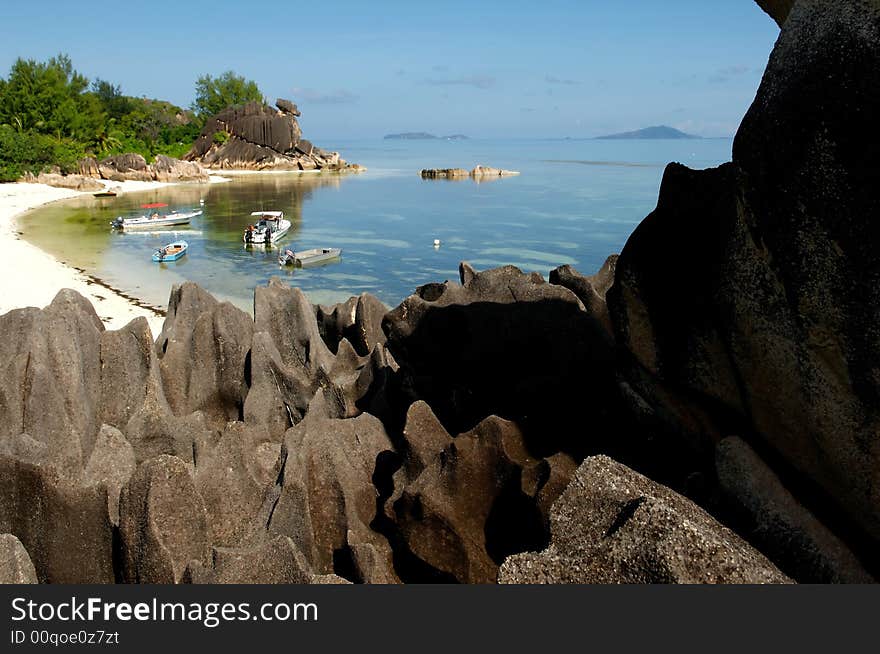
423, 136
657, 133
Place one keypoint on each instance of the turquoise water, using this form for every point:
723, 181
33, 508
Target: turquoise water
575, 202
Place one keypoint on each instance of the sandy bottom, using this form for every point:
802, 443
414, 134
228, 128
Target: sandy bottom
30, 277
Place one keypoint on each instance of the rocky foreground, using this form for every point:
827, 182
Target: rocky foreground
704, 408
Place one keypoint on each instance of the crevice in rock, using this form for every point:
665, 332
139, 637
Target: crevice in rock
625, 515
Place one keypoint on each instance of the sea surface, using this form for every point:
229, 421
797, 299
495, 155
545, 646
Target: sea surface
576, 202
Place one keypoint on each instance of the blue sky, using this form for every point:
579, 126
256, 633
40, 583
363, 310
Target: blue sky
483, 68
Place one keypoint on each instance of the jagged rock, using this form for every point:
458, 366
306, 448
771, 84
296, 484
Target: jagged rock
508, 344
305, 147
444, 173
751, 289
162, 523
234, 478
111, 463
277, 562
73, 182
778, 9
359, 320
327, 497
590, 290
65, 527
88, 167
287, 107
462, 505
778, 524
167, 169
50, 388
125, 167
15, 564
203, 351
612, 525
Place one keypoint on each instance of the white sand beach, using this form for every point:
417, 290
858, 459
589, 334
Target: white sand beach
32, 278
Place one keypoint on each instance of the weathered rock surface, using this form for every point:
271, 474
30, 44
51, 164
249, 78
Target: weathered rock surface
73, 182
778, 9
15, 564
257, 136
508, 344
461, 505
134, 167
163, 523
277, 562
773, 520
763, 318
444, 173
612, 525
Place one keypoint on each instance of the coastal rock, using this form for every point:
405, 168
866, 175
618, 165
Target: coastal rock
123, 167
15, 564
50, 383
486, 171
612, 525
257, 136
167, 169
73, 182
203, 351
778, 524
88, 167
358, 320
163, 524
327, 499
590, 290
462, 505
444, 173
276, 562
64, 526
110, 464
763, 319
508, 344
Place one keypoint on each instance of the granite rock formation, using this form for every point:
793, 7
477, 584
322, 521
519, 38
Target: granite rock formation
259, 137
15, 564
133, 166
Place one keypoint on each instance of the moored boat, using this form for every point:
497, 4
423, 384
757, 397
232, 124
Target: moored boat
171, 252
154, 218
270, 227
308, 257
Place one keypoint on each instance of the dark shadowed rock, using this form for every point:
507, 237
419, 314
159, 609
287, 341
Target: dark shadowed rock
327, 498
358, 320
774, 521
15, 564
778, 9
462, 505
286, 106
509, 344
751, 290
203, 351
162, 523
612, 525
589, 290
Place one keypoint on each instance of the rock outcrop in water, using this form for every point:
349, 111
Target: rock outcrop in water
716, 385
259, 137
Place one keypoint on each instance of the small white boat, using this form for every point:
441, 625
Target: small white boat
308, 257
171, 252
270, 227
154, 218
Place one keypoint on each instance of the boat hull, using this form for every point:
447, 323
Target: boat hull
145, 222
308, 258
180, 248
259, 237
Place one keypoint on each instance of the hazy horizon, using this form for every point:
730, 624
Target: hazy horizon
493, 70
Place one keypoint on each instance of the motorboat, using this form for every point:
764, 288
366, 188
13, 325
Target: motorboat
171, 252
268, 228
308, 257
155, 218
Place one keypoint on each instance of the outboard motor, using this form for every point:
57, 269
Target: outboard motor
117, 223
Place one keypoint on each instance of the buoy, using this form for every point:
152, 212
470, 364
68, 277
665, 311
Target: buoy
436, 242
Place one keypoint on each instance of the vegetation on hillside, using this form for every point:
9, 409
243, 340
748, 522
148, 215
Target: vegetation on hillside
51, 115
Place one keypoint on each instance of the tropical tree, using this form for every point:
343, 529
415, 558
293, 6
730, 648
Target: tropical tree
214, 94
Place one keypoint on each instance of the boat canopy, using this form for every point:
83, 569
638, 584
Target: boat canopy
154, 205
273, 214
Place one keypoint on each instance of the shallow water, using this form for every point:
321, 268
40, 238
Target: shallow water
576, 202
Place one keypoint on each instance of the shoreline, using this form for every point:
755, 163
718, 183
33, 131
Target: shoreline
44, 275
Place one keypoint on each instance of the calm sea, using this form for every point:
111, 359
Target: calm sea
575, 203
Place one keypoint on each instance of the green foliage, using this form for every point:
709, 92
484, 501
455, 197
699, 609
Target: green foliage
51, 116
220, 137
213, 95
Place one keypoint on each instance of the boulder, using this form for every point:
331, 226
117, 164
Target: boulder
72, 182
110, 464
461, 505
508, 344
444, 173
590, 290
749, 294
358, 320
162, 523
125, 167
167, 169
276, 562
612, 525
486, 171
88, 167
287, 107
15, 564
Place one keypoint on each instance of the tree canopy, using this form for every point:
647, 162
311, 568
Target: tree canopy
214, 94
